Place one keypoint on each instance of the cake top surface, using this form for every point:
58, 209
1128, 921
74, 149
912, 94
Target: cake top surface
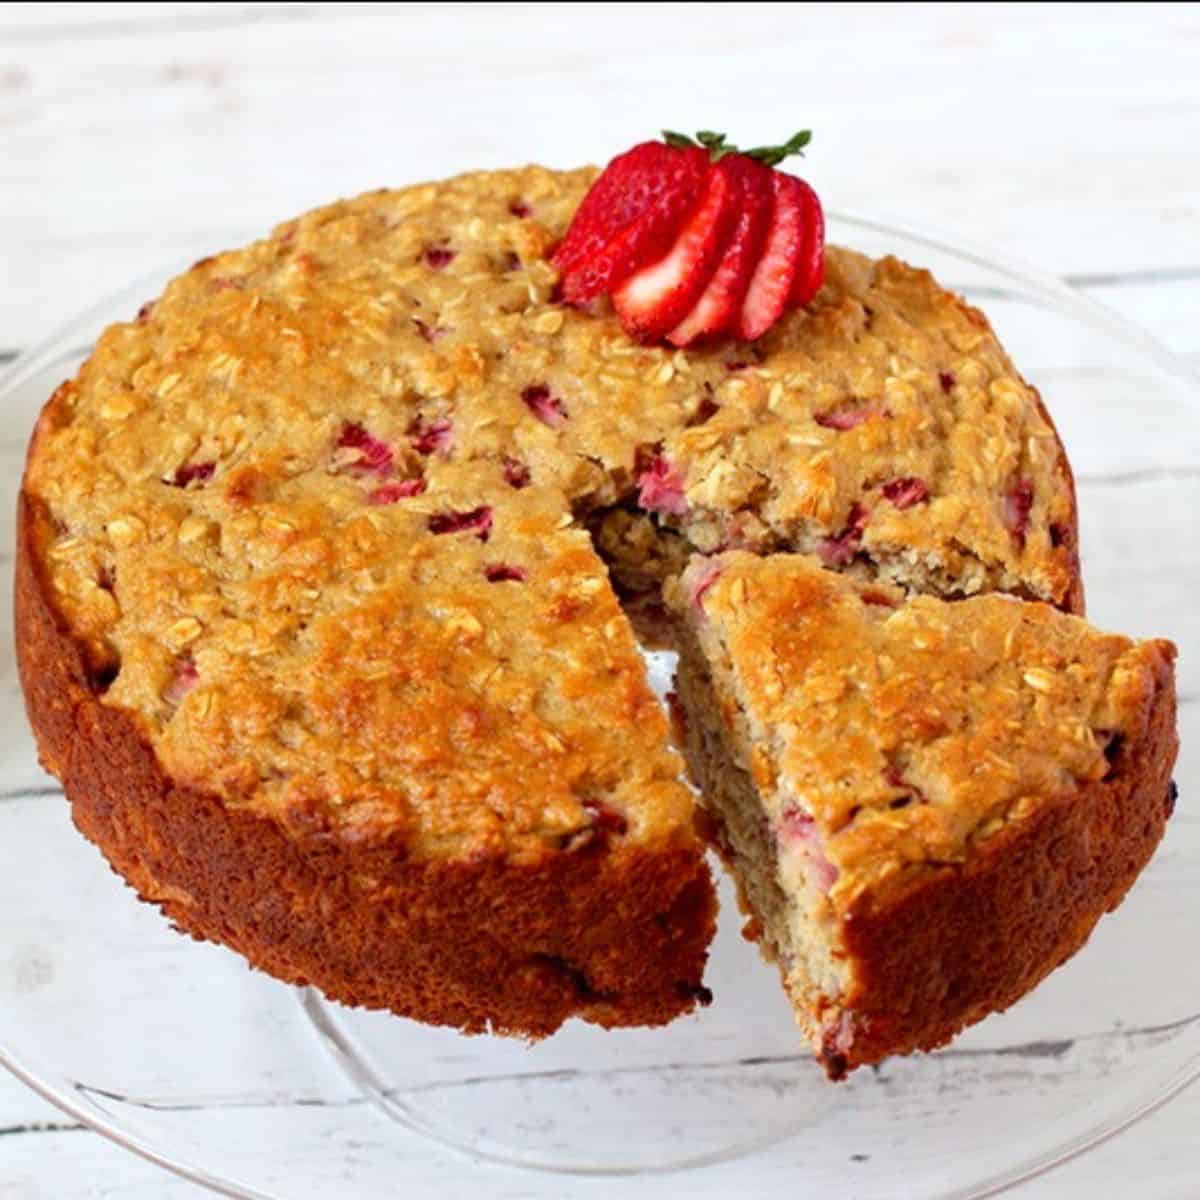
892, 733
315, 506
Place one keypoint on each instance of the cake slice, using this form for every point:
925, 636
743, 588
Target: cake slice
927, 805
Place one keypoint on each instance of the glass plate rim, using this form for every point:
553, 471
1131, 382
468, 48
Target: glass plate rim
1032, 280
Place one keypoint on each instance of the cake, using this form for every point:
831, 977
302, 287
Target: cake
997, 775
332, 562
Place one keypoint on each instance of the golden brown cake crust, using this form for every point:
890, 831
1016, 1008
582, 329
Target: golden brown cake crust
618, 937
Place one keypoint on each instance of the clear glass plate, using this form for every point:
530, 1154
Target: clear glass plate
177, 1051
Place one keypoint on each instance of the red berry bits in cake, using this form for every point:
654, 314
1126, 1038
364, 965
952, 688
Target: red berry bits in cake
189, 473
361, 453
504, 573
438, 257
904, 493
706, 409
947, 380
433, 437
798, 832
516, 474
520, 209
845, 418
840, 550
374, 455
478, 521
660, 488
693, 239
185, 678
1018, 504
548, 408
389, 493
604, 822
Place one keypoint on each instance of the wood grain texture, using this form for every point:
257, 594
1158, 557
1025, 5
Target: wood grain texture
133, 135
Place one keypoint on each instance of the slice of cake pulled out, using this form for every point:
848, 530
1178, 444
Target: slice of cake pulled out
309, 623
927, 805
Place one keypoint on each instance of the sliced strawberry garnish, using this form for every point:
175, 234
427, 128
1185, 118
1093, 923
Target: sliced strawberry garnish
771, 284
693, 238
652, 301
721, 300
629, 217
810, 270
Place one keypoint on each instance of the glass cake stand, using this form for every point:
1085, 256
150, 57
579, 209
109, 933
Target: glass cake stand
178, 1052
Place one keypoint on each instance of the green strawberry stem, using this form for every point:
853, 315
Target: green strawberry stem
718, 148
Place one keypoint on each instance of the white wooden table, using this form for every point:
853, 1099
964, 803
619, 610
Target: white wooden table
133, 135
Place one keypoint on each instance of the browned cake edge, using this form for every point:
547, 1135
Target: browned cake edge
1073, 599
944, 950
615, 934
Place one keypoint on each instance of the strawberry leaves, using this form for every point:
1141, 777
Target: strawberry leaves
718, 147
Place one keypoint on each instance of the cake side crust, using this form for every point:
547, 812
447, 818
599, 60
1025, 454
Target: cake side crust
617, 935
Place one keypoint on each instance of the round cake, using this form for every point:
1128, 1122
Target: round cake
329, 563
